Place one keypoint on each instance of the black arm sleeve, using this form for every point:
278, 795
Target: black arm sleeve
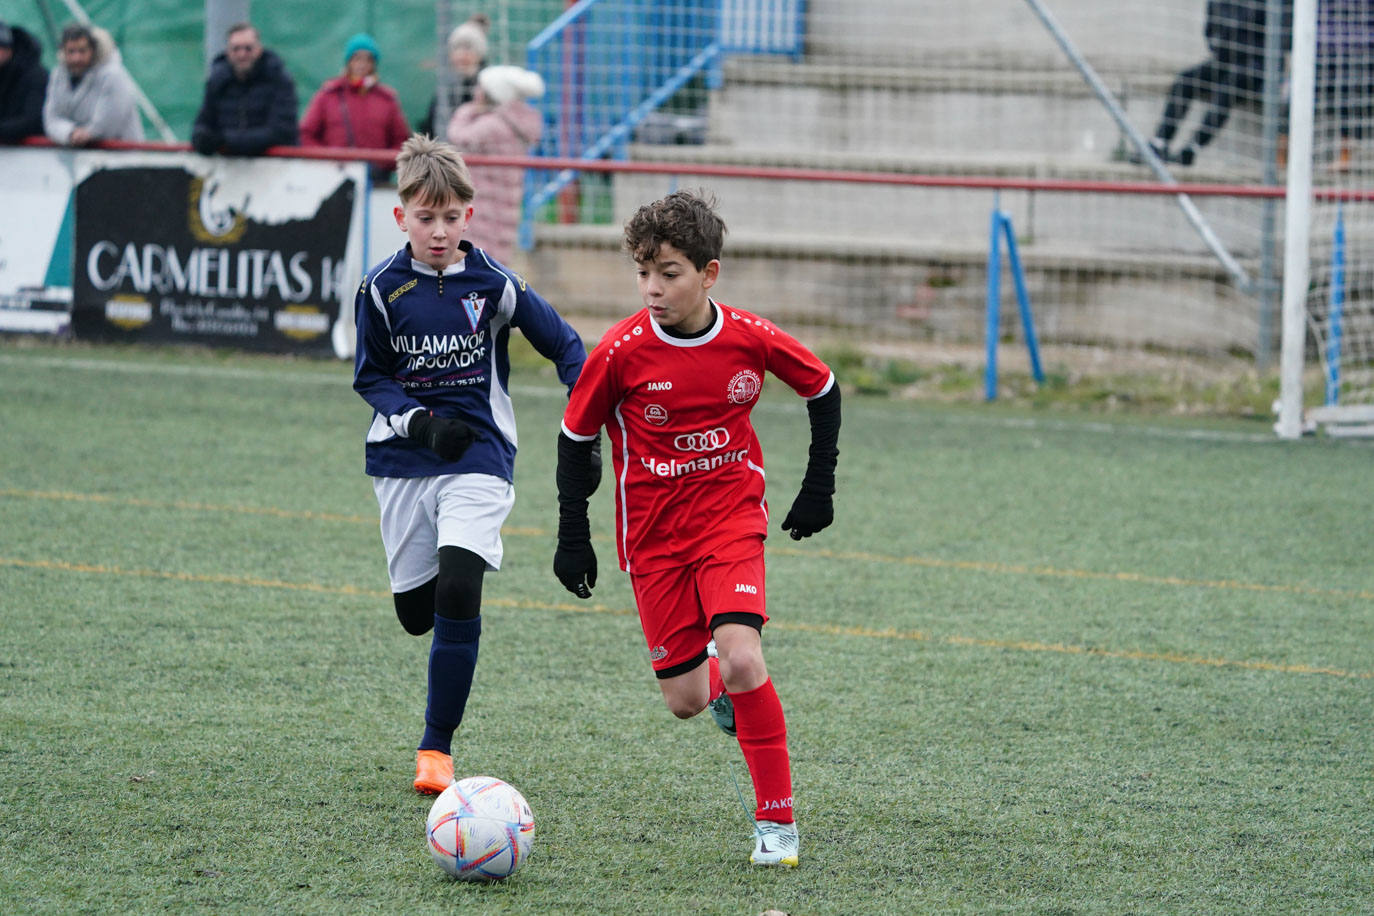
579, 469
578, 475
824, 413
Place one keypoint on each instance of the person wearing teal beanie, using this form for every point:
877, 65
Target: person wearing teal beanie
362, 42
354, 109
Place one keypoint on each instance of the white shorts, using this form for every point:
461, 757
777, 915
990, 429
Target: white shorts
422, 514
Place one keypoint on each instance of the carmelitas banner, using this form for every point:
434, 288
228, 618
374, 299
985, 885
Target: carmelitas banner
257, 254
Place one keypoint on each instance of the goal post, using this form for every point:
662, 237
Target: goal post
1327, 350
1298, 221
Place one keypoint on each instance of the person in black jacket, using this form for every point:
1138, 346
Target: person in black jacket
23, 85
1235, 70
467, 55
250, 99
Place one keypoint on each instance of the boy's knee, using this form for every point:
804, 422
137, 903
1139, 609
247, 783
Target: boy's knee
459, 592
685, 707
415, 608
458, 598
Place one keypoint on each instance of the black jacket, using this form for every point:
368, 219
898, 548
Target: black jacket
1235, 29
23, 84
461, 91
245, 117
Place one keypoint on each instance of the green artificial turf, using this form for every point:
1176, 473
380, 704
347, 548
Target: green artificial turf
1042, 663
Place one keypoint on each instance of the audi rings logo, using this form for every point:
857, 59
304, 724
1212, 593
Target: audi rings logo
709, 440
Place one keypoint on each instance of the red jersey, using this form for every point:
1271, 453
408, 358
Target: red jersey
688, 467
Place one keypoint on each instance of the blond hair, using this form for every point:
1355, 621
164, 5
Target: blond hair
432, 171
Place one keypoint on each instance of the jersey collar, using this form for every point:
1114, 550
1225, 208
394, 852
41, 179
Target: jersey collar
456, 267
692, 341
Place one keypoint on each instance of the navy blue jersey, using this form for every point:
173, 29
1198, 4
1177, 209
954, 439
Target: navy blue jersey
438, 341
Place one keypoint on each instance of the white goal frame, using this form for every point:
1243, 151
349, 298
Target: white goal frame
1293, 418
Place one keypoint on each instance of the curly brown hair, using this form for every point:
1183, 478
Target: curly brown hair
686, 220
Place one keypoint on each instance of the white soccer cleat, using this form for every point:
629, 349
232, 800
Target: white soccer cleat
775, 844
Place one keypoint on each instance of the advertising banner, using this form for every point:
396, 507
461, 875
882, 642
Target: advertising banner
35, 241
260, 254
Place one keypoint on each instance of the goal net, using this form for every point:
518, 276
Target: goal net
1328, 365
1102, 96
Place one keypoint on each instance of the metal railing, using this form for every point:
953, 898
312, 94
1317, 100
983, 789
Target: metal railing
608, 64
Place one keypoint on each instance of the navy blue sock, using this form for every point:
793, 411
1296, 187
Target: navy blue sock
452, 660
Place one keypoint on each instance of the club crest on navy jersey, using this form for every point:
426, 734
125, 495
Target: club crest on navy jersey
473, 305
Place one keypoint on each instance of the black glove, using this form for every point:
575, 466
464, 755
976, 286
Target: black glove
206, 142
811, 512
446, 437
574, 560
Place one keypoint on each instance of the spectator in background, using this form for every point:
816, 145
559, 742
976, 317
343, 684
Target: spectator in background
355, 109
250, 99
1235, 70
498, 122
90, 95
23, 83
1345, 70
467, 55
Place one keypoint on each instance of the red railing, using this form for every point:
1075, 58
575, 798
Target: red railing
387, 159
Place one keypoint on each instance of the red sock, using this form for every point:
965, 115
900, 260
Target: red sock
717, 685
763, 739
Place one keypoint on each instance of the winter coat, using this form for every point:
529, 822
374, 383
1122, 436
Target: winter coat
245, 117
103, 101
1236, 30
23, 85
366, 116
459, 93
509, 129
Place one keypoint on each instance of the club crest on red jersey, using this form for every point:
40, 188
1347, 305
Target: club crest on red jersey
656, 414
473, 305
744, 387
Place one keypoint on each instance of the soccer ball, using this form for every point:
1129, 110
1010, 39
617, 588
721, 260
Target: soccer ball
480, 829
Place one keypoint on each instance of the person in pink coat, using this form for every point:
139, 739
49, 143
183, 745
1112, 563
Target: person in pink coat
355, 109
499, 121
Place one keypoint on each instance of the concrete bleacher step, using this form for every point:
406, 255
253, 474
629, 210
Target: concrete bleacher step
773, 104
778, 104
1102, 222
901, 289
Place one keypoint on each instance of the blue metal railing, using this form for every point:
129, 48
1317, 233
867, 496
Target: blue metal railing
608, 64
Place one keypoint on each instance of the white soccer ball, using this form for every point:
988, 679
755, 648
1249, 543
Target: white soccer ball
480, 829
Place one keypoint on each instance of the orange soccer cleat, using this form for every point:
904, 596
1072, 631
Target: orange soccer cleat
433, 772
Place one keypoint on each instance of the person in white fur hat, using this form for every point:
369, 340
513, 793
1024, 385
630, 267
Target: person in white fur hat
499, 121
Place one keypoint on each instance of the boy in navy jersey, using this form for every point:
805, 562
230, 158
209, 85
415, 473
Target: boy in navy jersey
434, 320
674, 385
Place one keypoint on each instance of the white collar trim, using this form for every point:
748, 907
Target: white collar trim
692, 341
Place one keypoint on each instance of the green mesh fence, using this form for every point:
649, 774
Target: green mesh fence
162, 41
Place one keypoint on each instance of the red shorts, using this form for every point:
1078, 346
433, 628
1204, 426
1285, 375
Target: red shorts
676, 605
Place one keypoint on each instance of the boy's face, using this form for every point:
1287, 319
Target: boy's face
674, 291
434, 229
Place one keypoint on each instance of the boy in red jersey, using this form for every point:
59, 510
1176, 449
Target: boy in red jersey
674, 385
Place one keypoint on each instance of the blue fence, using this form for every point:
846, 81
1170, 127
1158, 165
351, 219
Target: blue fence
609, 64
